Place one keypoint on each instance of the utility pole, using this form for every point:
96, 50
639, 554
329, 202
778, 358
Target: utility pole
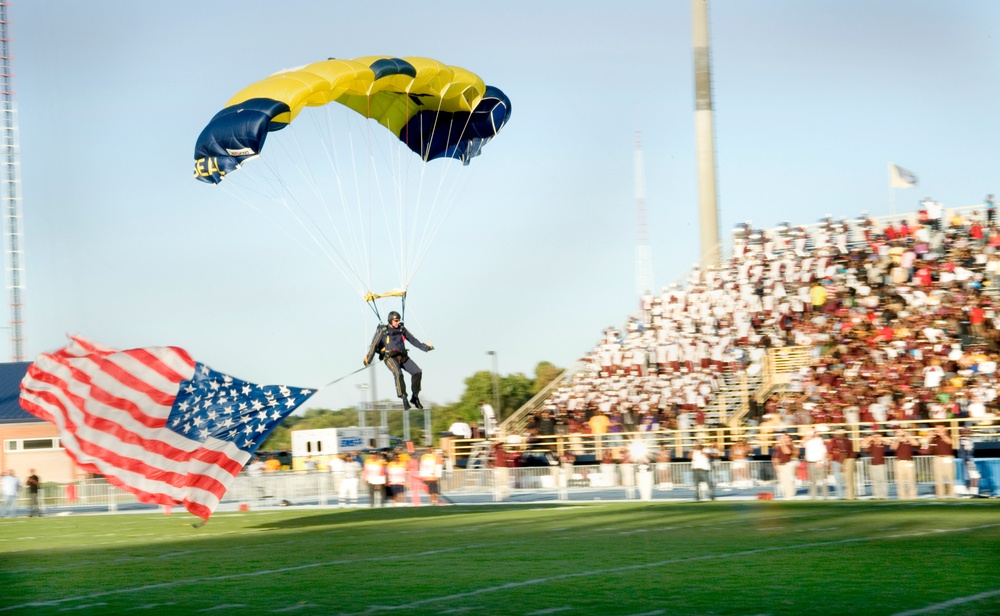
708, 205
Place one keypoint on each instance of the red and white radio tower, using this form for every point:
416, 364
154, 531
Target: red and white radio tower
13, 252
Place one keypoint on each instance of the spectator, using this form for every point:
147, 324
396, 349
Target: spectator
599, 423
501, 476
816, 459
877, 447
272, 464
395, 480
701, 468
10, 487
904, 445
942, 449
460, 428
33, 485
738, 456
374, 473
842, 463
431, 471
785, 458
351, 469
966, 451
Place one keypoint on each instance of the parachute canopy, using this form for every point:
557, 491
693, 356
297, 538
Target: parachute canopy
438, 111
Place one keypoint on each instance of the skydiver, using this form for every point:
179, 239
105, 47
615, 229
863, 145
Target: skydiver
390, 344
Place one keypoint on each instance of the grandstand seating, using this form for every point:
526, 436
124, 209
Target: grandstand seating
711, 354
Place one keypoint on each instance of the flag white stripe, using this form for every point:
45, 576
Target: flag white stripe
76, 441
113, 409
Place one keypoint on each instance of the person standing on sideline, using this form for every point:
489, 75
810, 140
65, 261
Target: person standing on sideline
431, 470
785, 458
739, 454
842, 461
33, 484
374, 471
10, 486
967, 455
347, 491
877, 447
941, 446
701, 467
816, 457
389, 343
501, 476
904, 444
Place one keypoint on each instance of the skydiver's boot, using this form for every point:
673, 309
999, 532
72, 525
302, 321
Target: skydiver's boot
406, 403
416, 401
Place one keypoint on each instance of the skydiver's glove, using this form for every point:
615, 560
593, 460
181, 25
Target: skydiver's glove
430, 347
365, 361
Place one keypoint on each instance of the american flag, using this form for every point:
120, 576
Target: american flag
153, 421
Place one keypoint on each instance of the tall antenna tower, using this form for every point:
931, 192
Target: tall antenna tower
643, 253
13, 252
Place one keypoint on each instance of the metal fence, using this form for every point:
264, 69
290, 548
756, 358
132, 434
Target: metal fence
671, 480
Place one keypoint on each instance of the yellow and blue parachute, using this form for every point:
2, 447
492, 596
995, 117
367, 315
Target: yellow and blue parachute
438, 111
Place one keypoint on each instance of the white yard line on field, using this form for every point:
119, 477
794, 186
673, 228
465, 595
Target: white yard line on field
950, 603
662, 563
479, 591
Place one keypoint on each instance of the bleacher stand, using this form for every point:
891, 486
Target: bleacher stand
900, 315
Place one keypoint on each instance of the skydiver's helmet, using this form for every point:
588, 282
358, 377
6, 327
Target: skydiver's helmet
394, 316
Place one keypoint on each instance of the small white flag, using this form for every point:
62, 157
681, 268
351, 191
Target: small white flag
901, 178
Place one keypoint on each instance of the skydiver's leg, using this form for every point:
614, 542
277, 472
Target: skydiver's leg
393, 365
416, 375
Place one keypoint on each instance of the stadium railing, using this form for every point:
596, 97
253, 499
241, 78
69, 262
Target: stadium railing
540, 469
552, 482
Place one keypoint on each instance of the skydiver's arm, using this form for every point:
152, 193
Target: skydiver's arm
413, 340
375, 345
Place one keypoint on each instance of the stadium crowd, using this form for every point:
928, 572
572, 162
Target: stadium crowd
901, 318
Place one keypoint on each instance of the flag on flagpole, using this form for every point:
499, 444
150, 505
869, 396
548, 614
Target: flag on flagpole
901, 178
153, 421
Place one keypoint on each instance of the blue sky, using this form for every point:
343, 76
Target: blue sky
812, 99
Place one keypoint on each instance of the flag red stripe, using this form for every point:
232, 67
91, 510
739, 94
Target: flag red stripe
157, 364
124, 435
177, 480
133, 382
112, 409
99, 394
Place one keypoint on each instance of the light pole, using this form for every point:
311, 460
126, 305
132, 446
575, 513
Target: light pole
496, 384
362, 390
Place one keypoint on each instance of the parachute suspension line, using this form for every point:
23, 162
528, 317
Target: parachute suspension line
393, 240
346, 247
238, 191
391, 243
433, 223
301, 214
357, 242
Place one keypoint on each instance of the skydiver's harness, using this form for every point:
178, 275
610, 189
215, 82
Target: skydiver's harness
399, 356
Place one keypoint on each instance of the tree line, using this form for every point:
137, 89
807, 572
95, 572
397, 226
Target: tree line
514, 391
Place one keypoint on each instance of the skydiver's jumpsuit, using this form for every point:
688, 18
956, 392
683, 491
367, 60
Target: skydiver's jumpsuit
390, 344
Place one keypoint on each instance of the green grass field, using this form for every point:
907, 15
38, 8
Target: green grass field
750, 558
